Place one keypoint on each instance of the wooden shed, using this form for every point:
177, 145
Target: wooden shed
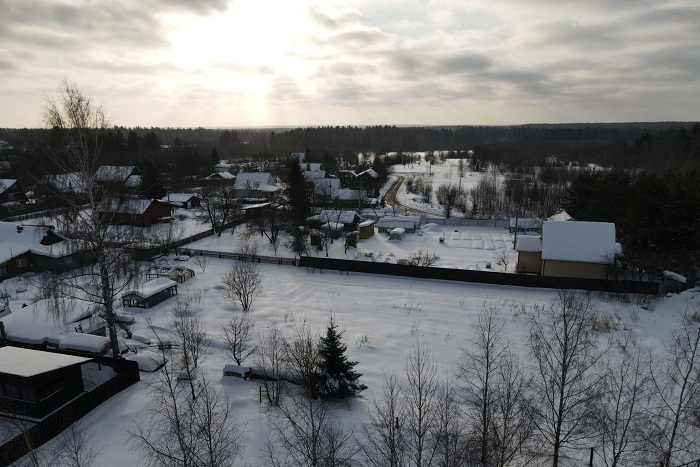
397, 234
179, 274
151, 293
366, 229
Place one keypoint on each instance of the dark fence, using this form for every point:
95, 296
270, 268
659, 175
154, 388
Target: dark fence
241, 257
51, 426
457, 222
481, 277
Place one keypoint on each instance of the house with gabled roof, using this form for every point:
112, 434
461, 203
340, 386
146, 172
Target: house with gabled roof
70, 187
182, 200
12, 196
133, 211
150, 293
569, 249
256, 185
26, 248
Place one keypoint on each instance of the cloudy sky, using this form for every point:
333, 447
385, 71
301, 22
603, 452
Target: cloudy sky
232, 63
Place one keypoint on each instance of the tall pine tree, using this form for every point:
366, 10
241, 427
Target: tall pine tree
298, 204
338, 377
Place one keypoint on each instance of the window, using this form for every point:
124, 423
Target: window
21, 262
3, 270
10, 196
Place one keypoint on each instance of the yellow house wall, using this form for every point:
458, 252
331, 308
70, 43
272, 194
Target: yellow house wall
529, 262
574, 269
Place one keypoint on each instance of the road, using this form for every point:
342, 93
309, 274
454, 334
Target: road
391, 198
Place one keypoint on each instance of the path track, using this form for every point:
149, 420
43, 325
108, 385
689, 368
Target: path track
393, 200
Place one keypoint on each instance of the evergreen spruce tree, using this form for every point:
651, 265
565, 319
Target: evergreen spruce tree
298, 204
338, 377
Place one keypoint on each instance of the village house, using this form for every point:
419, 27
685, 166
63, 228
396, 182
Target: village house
256, 185
182, 200
118, 177
133, 211
62, 188
569, 249
12, 196
349, 220
37, 248
34, 383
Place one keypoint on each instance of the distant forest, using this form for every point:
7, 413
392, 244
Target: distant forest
653, 147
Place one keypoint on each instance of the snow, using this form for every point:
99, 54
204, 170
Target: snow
6, 183
382, 316
148, 360
28, 363
590, 242
83, 342
113, 173
675, 276
343, 217
529, 243
152, 287
14, 241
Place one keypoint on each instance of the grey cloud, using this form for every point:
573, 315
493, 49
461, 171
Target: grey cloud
198, 7
5, 65
333, 21
463, 62
285, 88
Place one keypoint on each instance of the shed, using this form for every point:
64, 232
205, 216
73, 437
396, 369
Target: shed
35, 383
397, 234
182, 200
178, 274
408, 223
366, 229
525, 224
529, 248
150, 293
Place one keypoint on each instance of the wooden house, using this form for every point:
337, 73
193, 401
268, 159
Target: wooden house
133, 211
569, 249
256, 185
182, 200
12, 196
151, 293
34, 383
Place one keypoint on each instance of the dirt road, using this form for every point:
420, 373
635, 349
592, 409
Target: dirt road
391, 198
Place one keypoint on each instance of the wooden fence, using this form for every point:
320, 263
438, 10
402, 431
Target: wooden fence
53, 425
241, 257
481, 277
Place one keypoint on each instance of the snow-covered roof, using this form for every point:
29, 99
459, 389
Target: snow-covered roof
314, 175
26, 362
83, 342
152, 287
15, 241
311, 167
113, 173
528, 243
344, 217
220, 175
6, 183
328, 185
75, 182
223, 167
560, 216
259, 181
347, 194
134, 181
398, 231
588, 242
365, 223
178, 197
126, 206
371, 172
301, 156
675, 276
398, 221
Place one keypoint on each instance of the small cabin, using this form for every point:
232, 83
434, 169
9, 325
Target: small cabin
34, 383
150, 293
397, 234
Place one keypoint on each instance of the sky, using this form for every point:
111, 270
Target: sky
239, 63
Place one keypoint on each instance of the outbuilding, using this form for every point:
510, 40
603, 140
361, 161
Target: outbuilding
397, 234
366, 229
150, 293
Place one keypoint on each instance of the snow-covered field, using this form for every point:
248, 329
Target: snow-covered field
381, 316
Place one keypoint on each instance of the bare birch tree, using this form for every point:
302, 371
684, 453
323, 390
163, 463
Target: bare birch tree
90, 226
238, 338
192, 344
383, 437
243, 283
565, 384
270, 359
675, 435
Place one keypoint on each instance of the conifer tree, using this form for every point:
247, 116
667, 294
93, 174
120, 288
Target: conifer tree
338, 377
298, 204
